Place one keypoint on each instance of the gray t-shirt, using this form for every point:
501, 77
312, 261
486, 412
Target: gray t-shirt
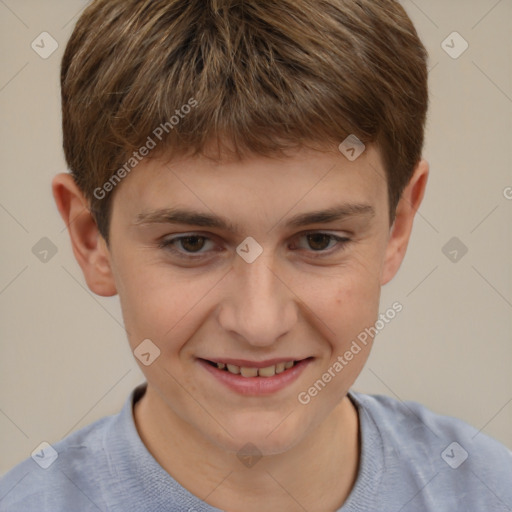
411, 460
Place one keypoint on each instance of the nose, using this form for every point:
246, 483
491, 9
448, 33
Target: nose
258, 306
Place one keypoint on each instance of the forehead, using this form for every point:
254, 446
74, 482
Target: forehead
304, 180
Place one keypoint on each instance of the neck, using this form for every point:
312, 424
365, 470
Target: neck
316, 475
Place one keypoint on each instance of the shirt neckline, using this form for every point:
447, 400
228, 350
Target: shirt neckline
138, 474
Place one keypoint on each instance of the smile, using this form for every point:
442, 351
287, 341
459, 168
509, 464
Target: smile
251, 371
255, 378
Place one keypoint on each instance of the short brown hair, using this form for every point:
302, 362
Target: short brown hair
259, 76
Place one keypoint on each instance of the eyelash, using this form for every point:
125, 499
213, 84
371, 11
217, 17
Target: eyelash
167, 244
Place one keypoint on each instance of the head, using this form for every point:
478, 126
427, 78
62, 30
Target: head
217, 121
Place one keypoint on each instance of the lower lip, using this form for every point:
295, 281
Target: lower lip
257, 386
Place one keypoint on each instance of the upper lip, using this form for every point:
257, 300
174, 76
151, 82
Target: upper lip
254, 364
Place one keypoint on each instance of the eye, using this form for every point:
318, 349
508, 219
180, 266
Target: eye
319, 242
190, 244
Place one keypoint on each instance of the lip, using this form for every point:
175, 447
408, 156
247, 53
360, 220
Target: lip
256, 386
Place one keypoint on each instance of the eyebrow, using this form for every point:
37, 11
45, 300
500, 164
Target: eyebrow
207, 220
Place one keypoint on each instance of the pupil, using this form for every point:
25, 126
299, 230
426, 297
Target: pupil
318, 236
189, 240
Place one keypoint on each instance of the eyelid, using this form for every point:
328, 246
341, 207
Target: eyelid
323, 232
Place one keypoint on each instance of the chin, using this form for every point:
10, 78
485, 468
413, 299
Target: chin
271, 437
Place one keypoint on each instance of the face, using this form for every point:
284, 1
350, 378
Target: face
233, 263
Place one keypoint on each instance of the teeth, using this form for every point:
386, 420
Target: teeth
246, 371
279, 367
269, 371
249, 372
232, 368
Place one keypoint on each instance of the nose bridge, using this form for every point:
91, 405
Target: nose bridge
260, 307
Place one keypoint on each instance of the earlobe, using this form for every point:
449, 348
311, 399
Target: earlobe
400, 234
88, 245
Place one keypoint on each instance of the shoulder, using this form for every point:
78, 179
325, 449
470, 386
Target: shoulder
443, 459
68, 473
410, 420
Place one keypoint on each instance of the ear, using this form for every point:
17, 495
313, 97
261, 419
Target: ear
407, 207
90, 249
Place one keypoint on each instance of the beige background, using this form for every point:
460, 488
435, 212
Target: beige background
64, 357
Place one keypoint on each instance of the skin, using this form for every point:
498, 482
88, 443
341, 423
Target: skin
287, 303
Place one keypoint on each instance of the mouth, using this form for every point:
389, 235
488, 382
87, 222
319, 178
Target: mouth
256, 377
255, 370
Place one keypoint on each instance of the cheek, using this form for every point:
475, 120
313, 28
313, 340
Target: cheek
347, 304
349, 296
156, 302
